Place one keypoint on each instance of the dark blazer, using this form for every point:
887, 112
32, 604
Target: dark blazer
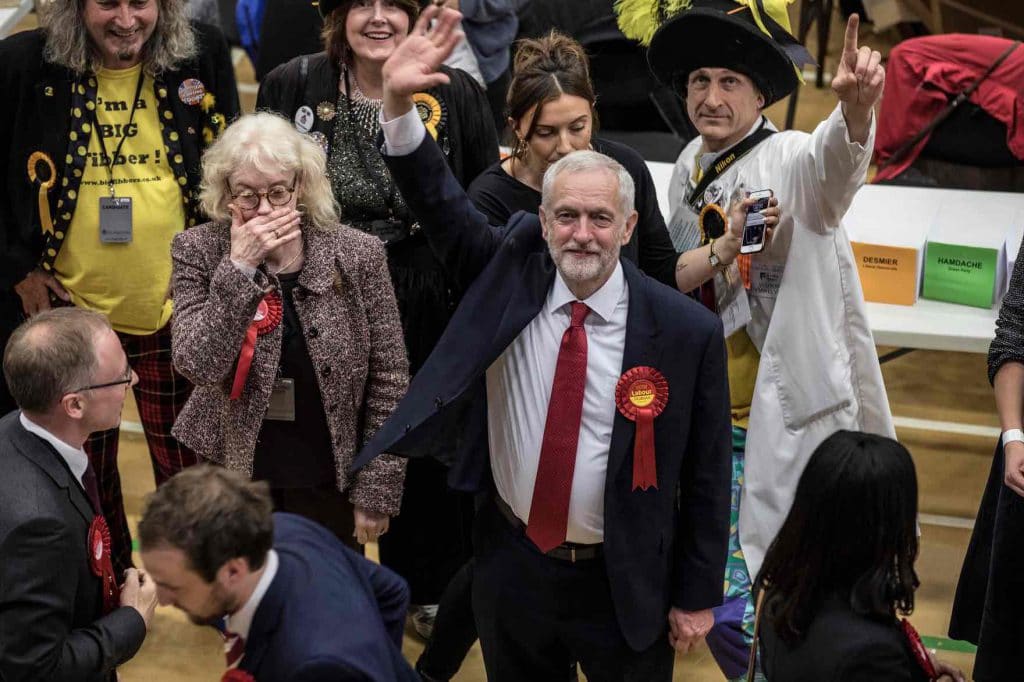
663, 547
51, 622
36, 116
840, 646
329, 614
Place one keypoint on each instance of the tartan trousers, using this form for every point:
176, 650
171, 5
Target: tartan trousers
160, 395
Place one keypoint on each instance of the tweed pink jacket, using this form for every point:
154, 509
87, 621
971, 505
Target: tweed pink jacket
350, 322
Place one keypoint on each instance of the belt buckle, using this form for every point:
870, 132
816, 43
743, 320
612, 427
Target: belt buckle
572, 554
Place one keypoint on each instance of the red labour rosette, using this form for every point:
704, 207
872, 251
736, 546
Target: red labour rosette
237, 675
641, 395
267, 317
918, 649
100, 563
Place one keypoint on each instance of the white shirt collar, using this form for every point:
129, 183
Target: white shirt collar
705, 159
76, 458
240, 621
602, 302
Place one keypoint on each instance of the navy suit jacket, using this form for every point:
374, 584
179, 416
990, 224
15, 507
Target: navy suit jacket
52, 625
329, 614
663, 547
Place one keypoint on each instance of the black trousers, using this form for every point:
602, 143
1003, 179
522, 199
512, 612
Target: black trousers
326, 506
454, 629
537, 615
429, 540
990, 593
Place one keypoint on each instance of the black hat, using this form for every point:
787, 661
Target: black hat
727, 34
325, 7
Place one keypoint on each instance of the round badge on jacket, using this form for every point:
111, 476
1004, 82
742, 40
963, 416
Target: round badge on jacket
191, 91
304, 119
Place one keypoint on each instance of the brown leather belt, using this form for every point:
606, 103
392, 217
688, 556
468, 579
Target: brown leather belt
567, 551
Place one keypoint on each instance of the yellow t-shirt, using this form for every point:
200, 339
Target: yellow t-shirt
127, 282
743, 359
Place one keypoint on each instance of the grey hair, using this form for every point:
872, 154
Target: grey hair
587, 160
68, 43
52, 354
268, 141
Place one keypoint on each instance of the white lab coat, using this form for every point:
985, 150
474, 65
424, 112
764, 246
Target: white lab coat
819, 369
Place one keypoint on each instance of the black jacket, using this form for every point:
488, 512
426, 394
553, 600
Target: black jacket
473, 144
52, 627
35, 116
840, 646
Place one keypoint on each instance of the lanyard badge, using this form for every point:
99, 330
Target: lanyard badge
115, 211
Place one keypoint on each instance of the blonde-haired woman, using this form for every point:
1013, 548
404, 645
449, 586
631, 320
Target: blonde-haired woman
286, 322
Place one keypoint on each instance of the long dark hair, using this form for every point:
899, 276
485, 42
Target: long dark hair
543, 70
851, 534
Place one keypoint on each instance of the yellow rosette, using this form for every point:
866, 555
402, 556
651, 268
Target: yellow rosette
34, 160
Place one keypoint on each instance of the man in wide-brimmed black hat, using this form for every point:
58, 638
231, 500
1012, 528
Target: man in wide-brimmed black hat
801, 358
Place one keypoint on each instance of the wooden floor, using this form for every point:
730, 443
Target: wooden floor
949, 387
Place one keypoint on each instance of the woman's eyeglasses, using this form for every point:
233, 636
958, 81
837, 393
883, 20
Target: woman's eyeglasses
278, 195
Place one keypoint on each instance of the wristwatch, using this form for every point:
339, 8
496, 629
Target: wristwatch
1010, 435
713, 259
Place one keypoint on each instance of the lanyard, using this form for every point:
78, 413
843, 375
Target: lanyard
109, 166
728, 158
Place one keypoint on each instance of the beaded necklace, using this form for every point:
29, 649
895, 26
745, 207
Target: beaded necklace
365, 110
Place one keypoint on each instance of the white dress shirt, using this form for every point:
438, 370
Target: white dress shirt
519, 389
76, 458
240, 621
519, 384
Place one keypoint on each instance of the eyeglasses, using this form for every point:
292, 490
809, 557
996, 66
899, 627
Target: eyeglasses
278, 195
120, 382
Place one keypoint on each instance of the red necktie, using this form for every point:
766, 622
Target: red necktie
549, 511
234, 647
92, 489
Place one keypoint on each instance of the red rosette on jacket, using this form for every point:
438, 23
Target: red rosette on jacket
267, 317
918, 649
641, 395
237, 675
100, 563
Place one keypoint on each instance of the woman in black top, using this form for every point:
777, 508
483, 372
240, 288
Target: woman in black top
842, 566
551, 114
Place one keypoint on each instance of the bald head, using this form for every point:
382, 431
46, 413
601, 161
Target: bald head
51, 354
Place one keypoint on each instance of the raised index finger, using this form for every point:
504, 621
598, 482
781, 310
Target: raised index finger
852, 26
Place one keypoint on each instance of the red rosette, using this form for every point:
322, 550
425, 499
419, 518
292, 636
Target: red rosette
918, 649
268, 316
100, 563
641, 395
237, 675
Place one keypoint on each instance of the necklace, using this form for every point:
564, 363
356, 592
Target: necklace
365, 110
287, 265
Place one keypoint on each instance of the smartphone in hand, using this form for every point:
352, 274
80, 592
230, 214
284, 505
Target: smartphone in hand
754, 228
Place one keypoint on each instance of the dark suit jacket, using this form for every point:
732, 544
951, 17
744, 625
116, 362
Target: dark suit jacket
51, 622
663, 547
329, 614
840, 646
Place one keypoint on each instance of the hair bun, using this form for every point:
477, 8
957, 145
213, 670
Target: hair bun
553, 53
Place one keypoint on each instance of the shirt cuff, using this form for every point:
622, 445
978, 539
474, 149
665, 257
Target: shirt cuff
402, 135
